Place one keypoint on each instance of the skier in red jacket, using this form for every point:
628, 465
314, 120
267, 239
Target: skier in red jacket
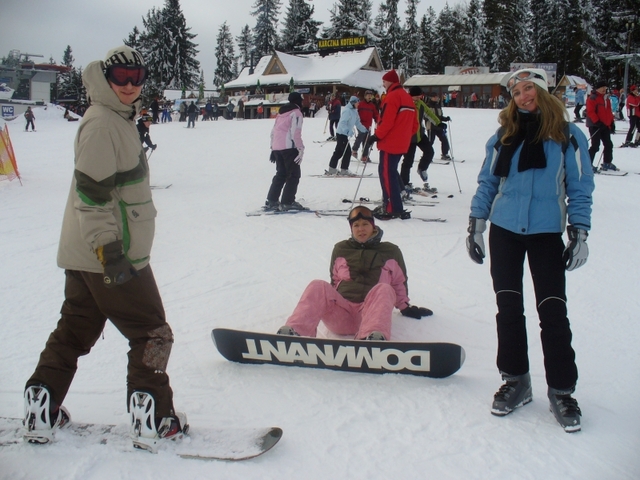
600, 124
368, 112
398, 123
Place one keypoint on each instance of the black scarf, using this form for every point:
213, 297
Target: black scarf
532, 153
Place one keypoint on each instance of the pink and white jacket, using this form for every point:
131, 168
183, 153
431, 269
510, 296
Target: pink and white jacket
287, 131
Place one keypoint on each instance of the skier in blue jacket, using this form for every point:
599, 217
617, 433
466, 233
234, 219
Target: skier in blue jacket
533, 179
348, 119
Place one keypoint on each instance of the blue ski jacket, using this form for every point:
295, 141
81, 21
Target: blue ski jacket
538, 200
349, 118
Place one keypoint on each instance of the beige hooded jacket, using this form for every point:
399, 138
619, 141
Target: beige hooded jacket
110, 196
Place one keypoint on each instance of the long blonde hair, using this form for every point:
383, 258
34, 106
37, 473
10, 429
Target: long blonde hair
553, 118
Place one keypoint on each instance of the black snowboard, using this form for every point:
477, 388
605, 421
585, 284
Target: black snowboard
436, 360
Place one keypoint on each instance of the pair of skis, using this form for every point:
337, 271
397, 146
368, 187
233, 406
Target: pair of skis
323, 213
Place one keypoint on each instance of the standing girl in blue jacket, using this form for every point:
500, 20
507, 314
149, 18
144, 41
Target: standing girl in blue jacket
348, 119
533, 179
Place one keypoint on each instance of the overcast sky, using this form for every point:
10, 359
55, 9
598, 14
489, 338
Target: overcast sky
91, 28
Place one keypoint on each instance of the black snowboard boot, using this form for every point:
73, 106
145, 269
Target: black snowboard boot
515, 393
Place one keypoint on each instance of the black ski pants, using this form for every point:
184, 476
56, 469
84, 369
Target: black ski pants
407, 161
342, 151
634, 122
135, 308
361, 139
441, 133
287, 176
601, 134
576, 111
544, 253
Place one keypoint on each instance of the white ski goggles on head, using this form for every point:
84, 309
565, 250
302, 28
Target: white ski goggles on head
536, 76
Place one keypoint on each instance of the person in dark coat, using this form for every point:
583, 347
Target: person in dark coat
143, 130
192, 111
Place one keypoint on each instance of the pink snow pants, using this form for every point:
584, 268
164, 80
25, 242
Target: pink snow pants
320, 301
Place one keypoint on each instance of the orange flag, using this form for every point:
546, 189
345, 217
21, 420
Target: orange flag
8, 165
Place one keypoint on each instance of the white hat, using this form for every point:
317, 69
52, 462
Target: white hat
123, 55
535, 75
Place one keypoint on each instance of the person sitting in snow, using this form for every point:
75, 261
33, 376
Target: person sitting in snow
368, 279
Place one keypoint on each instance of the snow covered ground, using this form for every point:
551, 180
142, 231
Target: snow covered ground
218, 268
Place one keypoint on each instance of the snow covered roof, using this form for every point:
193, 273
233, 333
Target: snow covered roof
447, 80
572, 80
356, 68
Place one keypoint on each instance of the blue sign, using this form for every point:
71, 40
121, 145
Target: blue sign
7, 111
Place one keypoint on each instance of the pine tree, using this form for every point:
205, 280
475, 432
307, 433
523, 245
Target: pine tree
224, 56
346, 21
494, 12
167, 47
182, 51
411, 43
245, 46
475, 35
589, 63
67, 57
69, 84
517, 26
300, 30
428, 62
265, 36
201, 86
449, 44
391, 34
133, 40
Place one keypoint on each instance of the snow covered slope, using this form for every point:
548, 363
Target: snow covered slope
218, 268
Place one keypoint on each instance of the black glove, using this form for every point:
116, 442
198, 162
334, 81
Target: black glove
416, 312
475, 242
446, 119
117, 269
154, 146
272, 157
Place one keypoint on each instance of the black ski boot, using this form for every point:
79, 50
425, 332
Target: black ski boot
565, 408
515, 393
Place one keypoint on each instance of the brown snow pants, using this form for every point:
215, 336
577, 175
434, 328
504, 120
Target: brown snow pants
135, 308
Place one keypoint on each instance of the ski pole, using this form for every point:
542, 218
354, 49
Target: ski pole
453, 158
366, 149
324, 132
359, 182
149, 156
600, 159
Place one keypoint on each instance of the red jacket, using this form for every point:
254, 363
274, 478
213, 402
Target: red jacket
368, 112
599, 110
398, 121
633, 105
